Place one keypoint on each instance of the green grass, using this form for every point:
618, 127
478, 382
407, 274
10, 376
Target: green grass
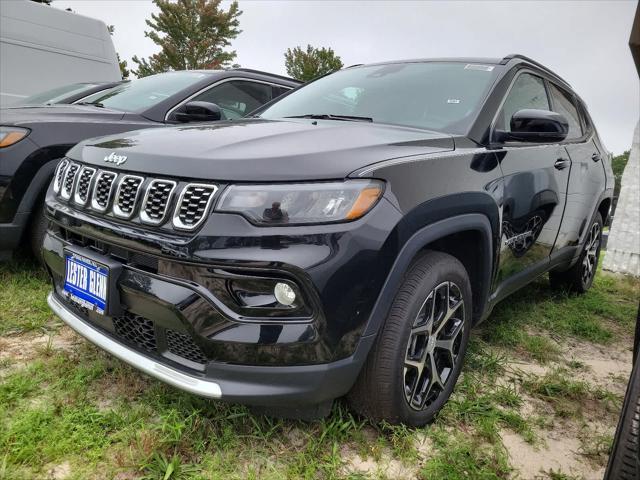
460, 458
558, 475
524, 321
80, 407
570, 397
23, 292
596, 447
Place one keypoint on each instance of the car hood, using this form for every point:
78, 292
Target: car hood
29, 115
261, 150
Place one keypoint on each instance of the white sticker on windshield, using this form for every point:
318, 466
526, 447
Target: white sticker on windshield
473, 66
453, 100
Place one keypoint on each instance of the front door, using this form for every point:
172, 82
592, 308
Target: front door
534, 190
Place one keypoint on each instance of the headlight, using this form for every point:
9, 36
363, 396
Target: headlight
302, 203
11, 135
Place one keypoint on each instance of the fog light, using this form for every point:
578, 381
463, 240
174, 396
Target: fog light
284, 294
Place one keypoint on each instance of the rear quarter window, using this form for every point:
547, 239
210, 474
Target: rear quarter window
563, 104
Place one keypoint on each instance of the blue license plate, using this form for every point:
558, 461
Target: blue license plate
86, 282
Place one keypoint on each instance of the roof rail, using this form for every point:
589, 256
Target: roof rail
512, 56
260, 72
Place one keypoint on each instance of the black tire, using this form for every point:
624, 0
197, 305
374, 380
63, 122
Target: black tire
624, 462
391, 387
579, 277
37, 229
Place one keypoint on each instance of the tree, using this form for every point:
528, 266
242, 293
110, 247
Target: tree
311, 64
192, 34
124, 71
617, 165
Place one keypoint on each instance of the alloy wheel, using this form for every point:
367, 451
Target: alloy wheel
434, 345
590, 260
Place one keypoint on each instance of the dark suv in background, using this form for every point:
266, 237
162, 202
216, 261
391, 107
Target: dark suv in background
33, 138
67, 94
344, 241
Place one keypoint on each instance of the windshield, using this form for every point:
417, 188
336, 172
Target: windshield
141, 94
56, 95
441, 96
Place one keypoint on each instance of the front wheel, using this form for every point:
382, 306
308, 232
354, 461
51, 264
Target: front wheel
418, 355
579, 278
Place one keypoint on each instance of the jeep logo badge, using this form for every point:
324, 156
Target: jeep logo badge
113, 157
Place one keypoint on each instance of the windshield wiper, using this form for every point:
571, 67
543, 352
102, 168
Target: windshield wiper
95, 104
328, 116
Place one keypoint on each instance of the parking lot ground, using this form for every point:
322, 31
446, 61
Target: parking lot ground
539, 398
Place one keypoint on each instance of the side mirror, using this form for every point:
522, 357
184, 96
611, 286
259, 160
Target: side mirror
198, 112
535, 126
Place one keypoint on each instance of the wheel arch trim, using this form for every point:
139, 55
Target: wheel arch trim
461, 223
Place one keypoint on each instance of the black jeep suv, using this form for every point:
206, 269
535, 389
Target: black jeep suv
34, 138
344, 240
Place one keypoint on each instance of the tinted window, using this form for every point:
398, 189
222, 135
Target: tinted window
141, 94
237, 97
527, 92
563, 104
277, 91
443, 96
57, 94
586, 121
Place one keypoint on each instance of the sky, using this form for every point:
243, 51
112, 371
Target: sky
585, 42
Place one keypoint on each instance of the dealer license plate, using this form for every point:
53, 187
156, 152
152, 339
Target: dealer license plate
86, 282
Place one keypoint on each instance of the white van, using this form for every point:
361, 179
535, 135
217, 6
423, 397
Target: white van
43, 47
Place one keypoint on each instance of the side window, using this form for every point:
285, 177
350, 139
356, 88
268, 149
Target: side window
237, 97
563, 104
587, 126
277, 91
527, 92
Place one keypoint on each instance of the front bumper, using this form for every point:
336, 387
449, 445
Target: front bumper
12, 233
199, 386
252, 385
175, 315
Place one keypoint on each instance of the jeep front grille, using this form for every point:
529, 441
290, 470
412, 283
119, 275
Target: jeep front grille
156, 201
193, 205
85, 176
102, 190
69, 178
59, 175
127, 195
150, 201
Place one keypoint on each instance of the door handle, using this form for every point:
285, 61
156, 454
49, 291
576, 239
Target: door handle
595, 157
561, 163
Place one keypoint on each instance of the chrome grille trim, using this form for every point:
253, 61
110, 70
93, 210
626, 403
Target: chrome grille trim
68, 181
59, 175
147, 201
156, 202
102, 190
129, 186
193, 205
83, 185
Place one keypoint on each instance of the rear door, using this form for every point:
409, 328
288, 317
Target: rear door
587, 179
535, 187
